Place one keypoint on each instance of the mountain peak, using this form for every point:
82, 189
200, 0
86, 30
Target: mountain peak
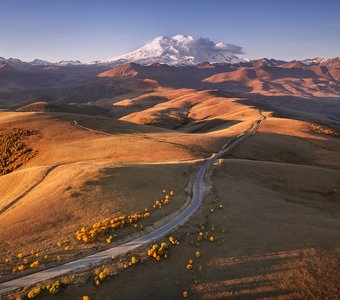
68, 63
179, 50
121, 71
40, 62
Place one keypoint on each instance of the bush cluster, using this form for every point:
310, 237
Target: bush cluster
100, 277
34, 292
34, 264
157, 251
51, 287
164, 201
324, 130
13, 151
89, 234
25, 261
189, 265
173, 241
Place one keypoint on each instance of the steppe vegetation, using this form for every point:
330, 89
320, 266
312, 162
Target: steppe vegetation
190, 254
202, 266
91, 233
14, 151
321, 129
104, 228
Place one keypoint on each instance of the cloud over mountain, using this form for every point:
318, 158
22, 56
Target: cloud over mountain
205, 44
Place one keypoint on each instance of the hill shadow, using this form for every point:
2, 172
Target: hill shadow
323, 110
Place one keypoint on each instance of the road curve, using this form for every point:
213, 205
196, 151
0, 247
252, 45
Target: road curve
97, 258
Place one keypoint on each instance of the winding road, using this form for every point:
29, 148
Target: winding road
97, 258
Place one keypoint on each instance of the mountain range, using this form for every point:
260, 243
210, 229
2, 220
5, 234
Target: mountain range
175, 51
179, 62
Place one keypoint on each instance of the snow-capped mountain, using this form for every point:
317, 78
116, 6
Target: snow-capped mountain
19, 64
317, 60
68, 63
179, 50
40, 62
321, 61
263, 62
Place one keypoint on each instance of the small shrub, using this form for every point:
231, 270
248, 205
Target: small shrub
21, 268
34, 264
157, 252
53, 289
173, 241
33, 292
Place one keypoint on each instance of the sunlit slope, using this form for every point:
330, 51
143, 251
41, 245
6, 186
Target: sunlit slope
287, 140
75, 195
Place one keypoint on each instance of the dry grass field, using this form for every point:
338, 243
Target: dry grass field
271, 207
79, 171
181, 169
287, 140
272, 240
76, 173
78, 195
274, 220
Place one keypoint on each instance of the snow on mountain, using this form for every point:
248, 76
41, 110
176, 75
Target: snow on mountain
179, 50
19, 64
322, 61
263, 62
40, 62
16, 62
317, 60
68, 63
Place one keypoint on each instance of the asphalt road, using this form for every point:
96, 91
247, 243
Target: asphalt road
97, 258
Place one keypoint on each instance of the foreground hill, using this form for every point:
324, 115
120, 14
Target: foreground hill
90, 168
75, 171
271, 209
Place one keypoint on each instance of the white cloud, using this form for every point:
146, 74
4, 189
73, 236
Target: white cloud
207, 45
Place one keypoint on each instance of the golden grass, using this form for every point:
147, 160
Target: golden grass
46, 218
251, 215
75, 173
239, 244
286, 140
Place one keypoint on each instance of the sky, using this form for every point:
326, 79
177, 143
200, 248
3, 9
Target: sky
90, 30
